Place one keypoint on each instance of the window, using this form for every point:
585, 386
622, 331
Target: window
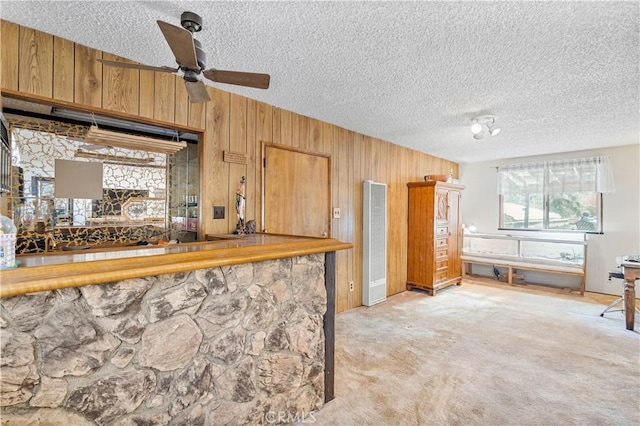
559, 195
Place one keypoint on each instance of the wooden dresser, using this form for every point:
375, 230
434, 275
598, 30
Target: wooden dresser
435, 236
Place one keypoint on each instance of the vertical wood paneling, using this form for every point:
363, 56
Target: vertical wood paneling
232, 122
375, 160
295, 130
356, 191
394, 210
218, 180
147, 93
404, 212
303, 132
252, 182
315, 135
237, 143
35, 63
415, 164
327, 138
182, 103
87, 77
238, 123
63, 69
367, 154
342, 182
164, 106
349, 217
264, 117
206, 152
285, 127
276, 132
335, 172
382, 166
342, 285
120, 87
197, 114
9, 54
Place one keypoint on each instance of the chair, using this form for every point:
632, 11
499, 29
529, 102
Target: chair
619, 275
585, 224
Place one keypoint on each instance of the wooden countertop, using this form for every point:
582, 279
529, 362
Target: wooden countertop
51, 271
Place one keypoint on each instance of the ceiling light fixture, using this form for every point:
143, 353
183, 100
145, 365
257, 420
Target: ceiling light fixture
483, 122
477, 130
493, 129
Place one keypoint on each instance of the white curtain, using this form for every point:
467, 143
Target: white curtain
604, 176
562, 176
529, 175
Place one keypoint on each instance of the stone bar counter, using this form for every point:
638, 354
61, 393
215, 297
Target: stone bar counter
235, 331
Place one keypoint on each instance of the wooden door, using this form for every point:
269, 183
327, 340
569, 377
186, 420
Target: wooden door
296, 192
421, 240
455, 238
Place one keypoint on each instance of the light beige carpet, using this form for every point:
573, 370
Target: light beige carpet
484, 355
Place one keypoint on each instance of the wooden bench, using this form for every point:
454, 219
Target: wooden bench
486, 249
518, 264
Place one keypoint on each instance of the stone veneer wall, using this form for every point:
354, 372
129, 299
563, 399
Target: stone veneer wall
241, 344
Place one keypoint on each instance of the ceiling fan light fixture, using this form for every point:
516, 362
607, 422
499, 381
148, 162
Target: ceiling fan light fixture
192, 59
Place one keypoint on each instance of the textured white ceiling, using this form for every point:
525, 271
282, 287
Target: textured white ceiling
559, 76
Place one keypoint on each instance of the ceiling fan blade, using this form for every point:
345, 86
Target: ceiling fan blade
249, 79
136, 66
181, 44
197, 91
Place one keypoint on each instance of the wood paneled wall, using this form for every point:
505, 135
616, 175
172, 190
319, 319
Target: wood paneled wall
41, 66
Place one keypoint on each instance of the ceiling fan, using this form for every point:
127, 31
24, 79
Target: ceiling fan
191, 60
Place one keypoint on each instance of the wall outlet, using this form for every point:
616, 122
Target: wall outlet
336, 212
218, 212
350, 285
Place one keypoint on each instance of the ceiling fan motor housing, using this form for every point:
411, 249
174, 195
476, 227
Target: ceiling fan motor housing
191, 21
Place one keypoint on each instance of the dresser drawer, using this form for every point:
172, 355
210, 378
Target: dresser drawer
442, 254
441, 265
441, 276
441, 243
442, 231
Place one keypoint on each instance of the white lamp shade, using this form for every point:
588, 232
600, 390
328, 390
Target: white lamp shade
493, 130
476, 128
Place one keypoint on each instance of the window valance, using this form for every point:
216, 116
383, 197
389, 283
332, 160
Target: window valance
560, 177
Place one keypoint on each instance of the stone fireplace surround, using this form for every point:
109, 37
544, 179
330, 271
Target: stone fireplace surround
238, 344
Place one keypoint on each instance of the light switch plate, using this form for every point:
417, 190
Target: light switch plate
336, 212
218, 212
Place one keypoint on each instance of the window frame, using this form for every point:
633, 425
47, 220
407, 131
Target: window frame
546, 200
